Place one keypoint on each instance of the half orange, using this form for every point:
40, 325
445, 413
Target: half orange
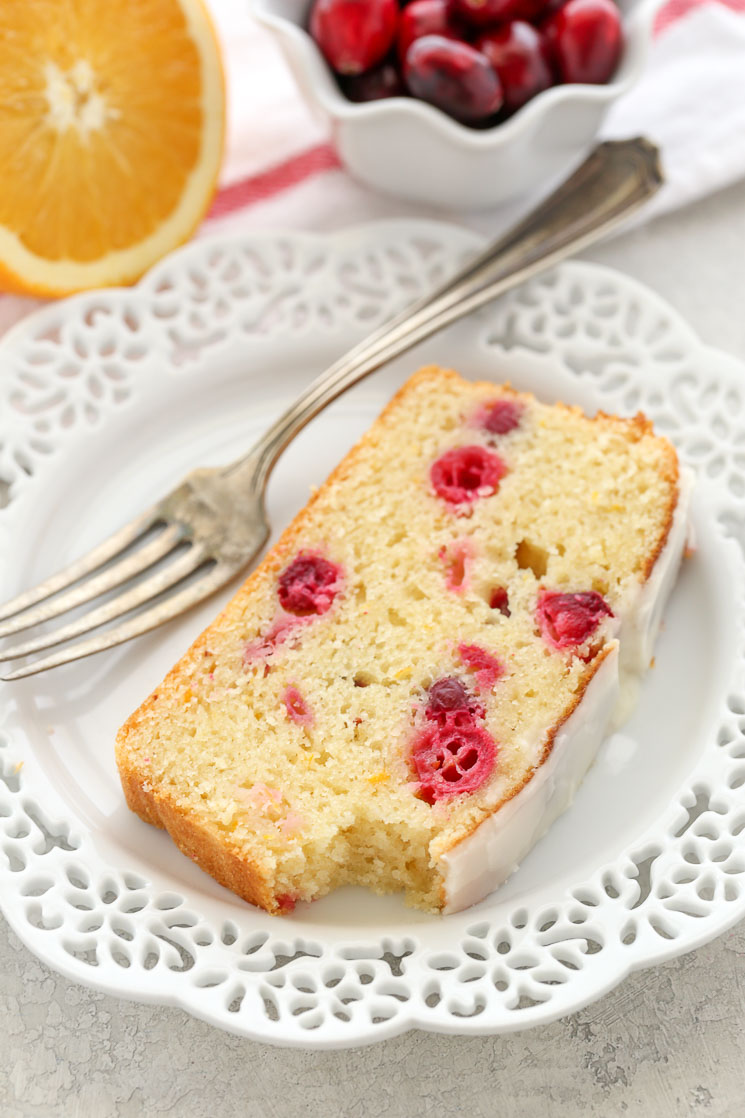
111, 131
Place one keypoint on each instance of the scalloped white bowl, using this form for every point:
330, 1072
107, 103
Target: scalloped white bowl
408, 148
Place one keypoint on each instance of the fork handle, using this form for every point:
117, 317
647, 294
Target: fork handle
614, 181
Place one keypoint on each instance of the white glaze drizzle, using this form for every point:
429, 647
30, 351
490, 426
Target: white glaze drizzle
477, 865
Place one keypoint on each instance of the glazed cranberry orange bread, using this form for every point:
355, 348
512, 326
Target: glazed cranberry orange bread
411, 686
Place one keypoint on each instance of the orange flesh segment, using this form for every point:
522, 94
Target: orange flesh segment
101, 122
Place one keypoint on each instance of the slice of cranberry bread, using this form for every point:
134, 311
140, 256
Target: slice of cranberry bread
412, 684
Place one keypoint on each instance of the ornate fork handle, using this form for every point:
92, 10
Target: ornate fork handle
616, 179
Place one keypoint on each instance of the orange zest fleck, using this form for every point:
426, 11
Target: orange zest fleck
379, 778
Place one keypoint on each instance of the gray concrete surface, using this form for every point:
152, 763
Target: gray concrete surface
669, 1042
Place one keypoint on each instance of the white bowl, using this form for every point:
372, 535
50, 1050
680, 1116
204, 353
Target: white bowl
410, 149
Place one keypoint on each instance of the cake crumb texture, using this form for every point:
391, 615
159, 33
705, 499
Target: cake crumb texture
281, 752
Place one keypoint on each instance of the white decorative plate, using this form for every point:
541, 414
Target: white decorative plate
107, 399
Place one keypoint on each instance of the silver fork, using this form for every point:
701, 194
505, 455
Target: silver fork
214, 522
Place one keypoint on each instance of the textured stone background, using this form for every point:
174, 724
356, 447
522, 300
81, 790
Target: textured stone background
667, 1043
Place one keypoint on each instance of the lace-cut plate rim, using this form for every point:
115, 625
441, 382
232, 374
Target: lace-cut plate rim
109, 397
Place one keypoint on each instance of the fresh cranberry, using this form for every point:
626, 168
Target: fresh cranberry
297, 706
281, 630
457, 559
354, 35
500, 599
424, 17
499, 417
286, 902
445, 695
450, 703
454, 77
308, 585
567, 620
374, 85
520, 56
586, 38
538, 11
486, 668
483, 13
534, 11
452, 760
466, 472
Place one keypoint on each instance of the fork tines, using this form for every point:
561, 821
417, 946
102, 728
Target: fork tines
85, 580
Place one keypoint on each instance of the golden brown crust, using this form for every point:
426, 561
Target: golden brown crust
205, 845
579, 695
673, 476
638, 426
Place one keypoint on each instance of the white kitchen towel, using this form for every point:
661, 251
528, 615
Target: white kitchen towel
691, 102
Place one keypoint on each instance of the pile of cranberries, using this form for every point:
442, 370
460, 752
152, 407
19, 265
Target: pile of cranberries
477, 60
